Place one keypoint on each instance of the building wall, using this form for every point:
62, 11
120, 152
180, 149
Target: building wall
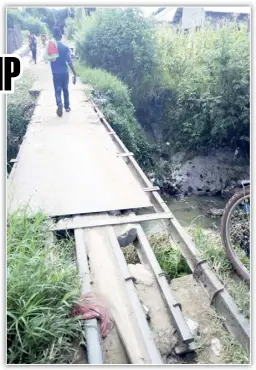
192, 18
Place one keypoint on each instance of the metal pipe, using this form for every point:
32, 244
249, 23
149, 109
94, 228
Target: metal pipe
154, 355
173, 307
92, 335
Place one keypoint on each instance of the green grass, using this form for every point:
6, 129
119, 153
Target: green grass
168, 256
42, 287
20, 107
210, 246
231, 351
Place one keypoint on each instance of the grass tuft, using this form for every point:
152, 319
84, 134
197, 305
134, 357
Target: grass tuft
168, 256
131, 255
20, 107
211, 248
42, 287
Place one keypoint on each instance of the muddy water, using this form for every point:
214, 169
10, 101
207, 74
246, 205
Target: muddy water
194, 210
189, 211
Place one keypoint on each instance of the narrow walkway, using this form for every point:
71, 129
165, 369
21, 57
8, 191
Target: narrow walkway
69, 165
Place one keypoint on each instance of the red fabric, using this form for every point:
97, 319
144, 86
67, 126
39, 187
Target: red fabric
52, 48
90, 307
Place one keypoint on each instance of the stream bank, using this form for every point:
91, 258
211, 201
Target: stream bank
217, 172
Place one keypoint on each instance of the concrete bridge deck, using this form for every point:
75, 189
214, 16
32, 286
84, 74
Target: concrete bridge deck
70, 165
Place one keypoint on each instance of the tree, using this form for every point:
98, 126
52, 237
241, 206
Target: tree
121, 42
14, 17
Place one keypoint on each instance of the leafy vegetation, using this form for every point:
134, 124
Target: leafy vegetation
20, 107
70, 28
113, 98
37, 20
24, 19
14, 17
121, 42
42, 287
192, 88
207, 75
169, 256
35, 26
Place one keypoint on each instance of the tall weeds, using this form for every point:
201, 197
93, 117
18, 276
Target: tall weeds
192, 88
42, 286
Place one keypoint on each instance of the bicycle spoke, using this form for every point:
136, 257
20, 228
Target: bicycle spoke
239, 231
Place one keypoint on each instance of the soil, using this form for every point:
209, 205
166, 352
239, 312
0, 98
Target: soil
195, 306
218, 172
160, 322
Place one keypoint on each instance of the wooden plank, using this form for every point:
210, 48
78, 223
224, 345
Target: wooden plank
14, 160
83, 222
109, 282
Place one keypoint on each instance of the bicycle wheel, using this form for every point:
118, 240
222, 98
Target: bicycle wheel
235, 232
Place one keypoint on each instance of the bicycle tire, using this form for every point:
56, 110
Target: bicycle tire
237, 264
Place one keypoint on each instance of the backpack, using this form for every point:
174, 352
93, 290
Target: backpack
52, 52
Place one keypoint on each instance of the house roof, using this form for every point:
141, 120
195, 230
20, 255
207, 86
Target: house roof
228, 9
168, 14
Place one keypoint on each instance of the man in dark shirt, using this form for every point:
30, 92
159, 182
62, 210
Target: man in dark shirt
33, 46
60, 73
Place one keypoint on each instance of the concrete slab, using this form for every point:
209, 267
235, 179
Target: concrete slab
69, 165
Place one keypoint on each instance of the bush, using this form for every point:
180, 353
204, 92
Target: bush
121, 42
41, 291
205, 98
113, 98
35, 26
192, 88
25, 35
70, 28
14, 17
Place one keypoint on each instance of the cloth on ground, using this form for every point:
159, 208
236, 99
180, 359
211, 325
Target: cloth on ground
91, 307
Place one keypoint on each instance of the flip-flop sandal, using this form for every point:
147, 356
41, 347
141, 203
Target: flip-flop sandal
60, 110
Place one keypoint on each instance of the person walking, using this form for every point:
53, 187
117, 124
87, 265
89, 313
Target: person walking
33, 46
59, 68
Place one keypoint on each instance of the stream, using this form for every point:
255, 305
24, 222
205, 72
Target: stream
194, 209
191, 210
